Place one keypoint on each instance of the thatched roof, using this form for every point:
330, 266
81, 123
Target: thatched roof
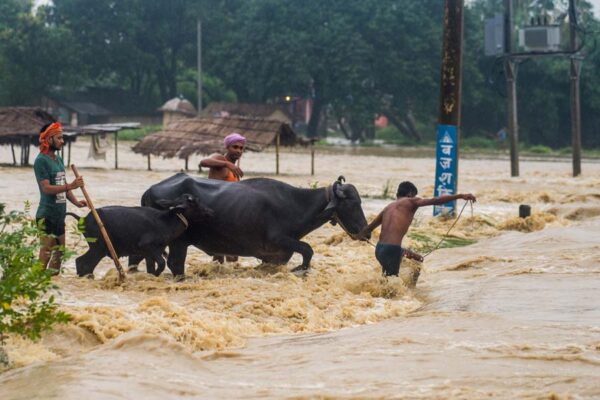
17, 121
22, 122
246, 110
179, 105
205, 135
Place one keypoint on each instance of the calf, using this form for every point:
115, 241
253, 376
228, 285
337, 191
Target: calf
142, 232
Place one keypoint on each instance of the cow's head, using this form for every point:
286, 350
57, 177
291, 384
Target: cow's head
189, 206
348, 210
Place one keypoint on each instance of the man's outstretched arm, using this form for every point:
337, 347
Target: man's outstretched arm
436, 201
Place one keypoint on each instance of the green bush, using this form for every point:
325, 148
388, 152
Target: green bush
540, 149
25, 307
478, 142
138, 134
391, 134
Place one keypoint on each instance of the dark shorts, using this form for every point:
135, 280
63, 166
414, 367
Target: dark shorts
389, 256
52, 226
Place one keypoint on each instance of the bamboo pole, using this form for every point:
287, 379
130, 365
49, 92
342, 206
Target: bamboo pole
117, 150
312, 158
109, 245
277, 141
69, 154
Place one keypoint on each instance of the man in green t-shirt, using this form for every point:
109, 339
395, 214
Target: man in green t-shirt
54, 191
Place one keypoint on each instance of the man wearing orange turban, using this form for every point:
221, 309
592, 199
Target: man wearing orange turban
54, 191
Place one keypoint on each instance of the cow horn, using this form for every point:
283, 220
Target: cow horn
341, 179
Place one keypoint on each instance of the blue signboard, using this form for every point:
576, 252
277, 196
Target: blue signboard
445, 167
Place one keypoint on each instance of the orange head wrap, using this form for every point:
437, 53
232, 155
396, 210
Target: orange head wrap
52, 130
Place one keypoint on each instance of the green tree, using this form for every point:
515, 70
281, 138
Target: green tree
33, 55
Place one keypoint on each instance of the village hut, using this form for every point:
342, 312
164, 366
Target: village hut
204, 135
176, 109
20, 126
265, 111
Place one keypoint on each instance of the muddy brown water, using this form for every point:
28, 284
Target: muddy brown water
515, 315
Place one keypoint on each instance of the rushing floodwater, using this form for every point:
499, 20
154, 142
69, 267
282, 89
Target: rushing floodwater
515, 315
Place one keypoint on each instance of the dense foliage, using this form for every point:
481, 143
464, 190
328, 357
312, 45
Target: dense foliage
26, 307
354, 58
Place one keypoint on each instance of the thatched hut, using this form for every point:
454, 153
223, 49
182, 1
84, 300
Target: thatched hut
176, 109
250, 110
21, 126
204, 135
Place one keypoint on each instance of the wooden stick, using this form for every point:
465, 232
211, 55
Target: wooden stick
109, 245
277, 143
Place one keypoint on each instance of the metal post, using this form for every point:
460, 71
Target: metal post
510, 69
575, 72
116, 150
199, 55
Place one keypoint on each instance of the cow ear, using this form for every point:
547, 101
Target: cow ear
337, 189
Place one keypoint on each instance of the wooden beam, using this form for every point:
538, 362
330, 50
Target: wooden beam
277, 142
12, 149
116, 150
312, 159
149, 166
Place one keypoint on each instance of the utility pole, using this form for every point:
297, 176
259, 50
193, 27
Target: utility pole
446, 179
510, 70
199, 55
575, 72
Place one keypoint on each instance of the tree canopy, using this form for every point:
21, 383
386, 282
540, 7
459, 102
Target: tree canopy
353, 58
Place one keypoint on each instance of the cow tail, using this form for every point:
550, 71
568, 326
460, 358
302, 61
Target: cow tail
77, 217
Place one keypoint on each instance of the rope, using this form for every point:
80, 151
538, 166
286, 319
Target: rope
454, 223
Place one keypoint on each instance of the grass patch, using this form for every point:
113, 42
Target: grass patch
424, 243
539, 149
138, 134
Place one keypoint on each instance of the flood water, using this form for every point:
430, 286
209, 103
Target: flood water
514, 315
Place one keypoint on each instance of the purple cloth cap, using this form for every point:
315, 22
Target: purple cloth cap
233, 138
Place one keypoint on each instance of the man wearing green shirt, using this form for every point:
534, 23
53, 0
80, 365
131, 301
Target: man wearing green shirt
54, 191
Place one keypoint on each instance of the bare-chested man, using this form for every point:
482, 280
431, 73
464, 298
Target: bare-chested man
223, 167
395, 219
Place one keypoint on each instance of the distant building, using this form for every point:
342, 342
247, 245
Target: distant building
266, 111
176, 109
381, 121
97, 105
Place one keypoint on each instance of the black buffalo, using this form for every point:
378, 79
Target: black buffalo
140, 231
260, 217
